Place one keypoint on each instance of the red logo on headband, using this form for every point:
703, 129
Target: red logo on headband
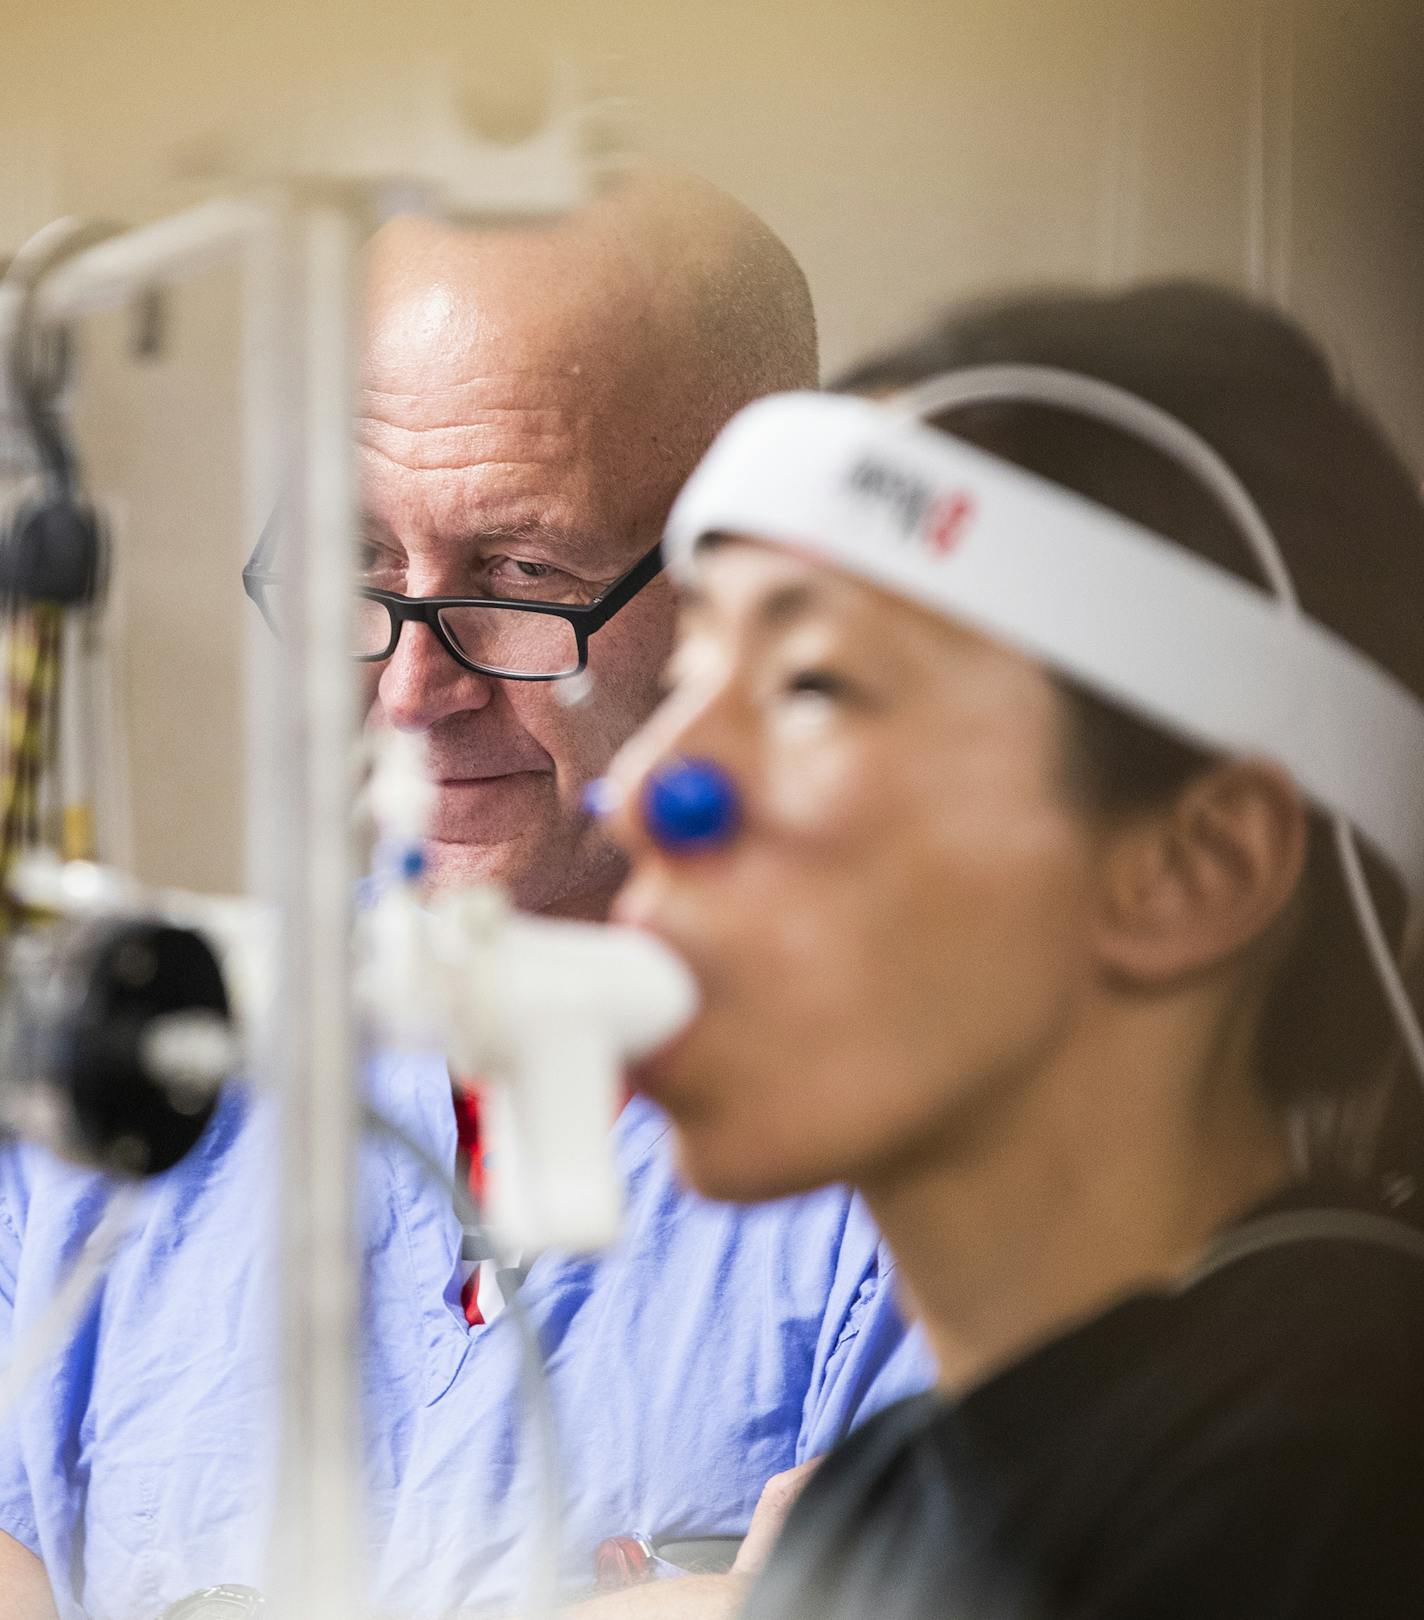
946, 520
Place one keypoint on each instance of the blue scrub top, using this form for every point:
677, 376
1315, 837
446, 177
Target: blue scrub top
712, 1348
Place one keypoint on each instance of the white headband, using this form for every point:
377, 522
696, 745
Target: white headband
1133, 616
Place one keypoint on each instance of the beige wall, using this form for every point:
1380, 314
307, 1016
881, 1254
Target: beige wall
909, 150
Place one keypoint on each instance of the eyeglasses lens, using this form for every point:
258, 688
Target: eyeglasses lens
371, 628
506, 640
500, 640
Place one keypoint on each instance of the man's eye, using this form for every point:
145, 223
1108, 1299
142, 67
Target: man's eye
514, 576
516, 571
378, 562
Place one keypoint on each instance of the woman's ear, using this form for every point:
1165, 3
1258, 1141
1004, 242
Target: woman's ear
1190, 885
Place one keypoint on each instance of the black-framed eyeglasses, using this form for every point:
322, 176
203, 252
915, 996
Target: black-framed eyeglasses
512, 640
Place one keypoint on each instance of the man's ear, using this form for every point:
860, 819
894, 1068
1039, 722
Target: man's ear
1200, 880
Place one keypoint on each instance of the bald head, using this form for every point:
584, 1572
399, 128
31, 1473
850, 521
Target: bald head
531, 402
671, 303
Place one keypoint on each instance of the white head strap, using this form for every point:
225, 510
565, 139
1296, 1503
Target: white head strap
1134, 617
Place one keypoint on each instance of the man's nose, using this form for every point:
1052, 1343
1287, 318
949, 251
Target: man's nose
420, 683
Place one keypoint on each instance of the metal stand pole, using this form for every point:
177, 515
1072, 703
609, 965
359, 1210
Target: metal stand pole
317, 1556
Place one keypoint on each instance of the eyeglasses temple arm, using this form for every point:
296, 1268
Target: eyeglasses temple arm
646, 569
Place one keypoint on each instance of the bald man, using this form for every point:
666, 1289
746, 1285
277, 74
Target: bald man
530, 403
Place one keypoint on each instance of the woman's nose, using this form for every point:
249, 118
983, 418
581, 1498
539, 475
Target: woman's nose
672, 793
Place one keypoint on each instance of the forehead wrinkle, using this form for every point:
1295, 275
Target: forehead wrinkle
414, 413
509, 507
481, 538
420, 412
534, 527
516, 393
471, 445
454, 451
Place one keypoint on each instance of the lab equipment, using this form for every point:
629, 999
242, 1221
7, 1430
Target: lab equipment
687, 805
53, 564
548, 1013
115, 1029
115, 1036
292, 215
691, 804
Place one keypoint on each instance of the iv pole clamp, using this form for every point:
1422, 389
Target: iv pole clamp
53, 552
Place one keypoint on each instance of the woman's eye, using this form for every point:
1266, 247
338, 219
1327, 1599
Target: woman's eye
821, 683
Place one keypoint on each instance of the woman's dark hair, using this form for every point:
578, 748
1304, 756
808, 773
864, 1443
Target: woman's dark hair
1350, 524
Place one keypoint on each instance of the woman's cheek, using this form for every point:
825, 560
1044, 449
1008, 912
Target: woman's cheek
822, 787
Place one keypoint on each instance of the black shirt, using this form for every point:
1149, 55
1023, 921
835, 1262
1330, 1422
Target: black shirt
1249, 1446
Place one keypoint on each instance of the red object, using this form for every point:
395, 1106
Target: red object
470, 1138
471, 1155
621, 1561
469, 1135
948, 519
470, 1299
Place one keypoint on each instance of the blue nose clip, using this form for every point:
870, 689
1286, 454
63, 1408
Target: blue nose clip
691, 804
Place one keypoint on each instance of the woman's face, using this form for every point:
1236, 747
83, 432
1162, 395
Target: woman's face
895, 938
